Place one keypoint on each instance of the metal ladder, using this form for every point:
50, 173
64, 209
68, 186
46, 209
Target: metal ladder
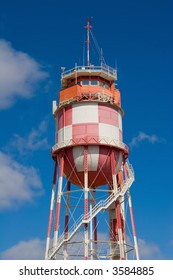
101, 205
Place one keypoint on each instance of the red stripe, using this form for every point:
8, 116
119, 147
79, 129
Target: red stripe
68, 115
85, 130
108, 115
61, 166
113, 163
66, 224
55, 174
120, 179
115, 229
85, 208
85, 159
118, 214
123, 227
65, 117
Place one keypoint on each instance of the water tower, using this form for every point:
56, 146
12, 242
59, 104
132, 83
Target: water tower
92, 177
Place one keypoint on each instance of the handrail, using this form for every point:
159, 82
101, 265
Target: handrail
103, 204
103, 67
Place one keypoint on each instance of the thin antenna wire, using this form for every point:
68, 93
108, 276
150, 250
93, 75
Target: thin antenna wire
95, 43
101, 56
99, 50
116, 67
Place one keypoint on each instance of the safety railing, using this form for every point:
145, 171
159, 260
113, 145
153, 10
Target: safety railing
92, 68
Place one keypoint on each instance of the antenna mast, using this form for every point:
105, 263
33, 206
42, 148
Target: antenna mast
88, 41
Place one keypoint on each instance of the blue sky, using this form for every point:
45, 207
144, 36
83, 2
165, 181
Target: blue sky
36, 39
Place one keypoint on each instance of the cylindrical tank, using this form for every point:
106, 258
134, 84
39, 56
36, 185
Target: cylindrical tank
97, 125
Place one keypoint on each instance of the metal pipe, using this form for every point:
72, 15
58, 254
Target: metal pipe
58, 203
131, 215
133, 226
66, 226
120, 234
51, 211
86, 202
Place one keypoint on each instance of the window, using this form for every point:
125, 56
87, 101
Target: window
94, 82
85, 82
102, 84
106, 86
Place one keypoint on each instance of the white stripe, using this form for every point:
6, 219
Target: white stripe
68, 132
85, 113
114, 178
65, 133
130, 203
119, 162
53, 197
136, 248
60, 135
93, 158
121, 245
47, 248
108, 130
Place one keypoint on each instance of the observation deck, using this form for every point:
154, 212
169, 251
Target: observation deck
104, 71
89, 83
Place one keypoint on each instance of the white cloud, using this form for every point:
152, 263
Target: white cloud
35, 140
25, 250
18, 183
19, 73
149, 251
142, 136
35, 249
